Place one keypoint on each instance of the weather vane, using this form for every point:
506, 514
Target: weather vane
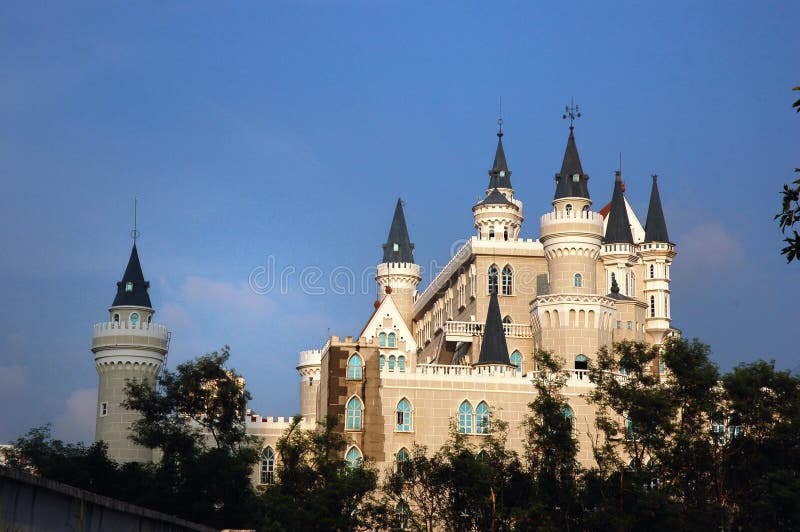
500, 119
572, 112
134, 232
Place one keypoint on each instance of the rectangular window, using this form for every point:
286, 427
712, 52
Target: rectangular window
630, 325
103, 409
619, 324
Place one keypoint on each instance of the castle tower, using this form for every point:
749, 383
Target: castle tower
398, 275
657, 253
309, 367
572, 319
619, 251
499, 215
129, 346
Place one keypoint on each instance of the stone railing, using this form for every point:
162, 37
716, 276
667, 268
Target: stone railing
466, 371
580, 377
475, 328
109, 334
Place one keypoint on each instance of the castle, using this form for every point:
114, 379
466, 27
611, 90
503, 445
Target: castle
460, 352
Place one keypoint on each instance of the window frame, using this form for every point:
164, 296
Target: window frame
465, 417
482, 418
518, 357
267, 466
577, 280
404, 409
493, 279
355, 371
354, 417
507, 281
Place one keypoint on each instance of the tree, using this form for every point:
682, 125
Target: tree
790, 210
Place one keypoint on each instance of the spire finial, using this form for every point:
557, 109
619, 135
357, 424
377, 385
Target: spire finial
135, 231
655, 178
572, 112
500, 119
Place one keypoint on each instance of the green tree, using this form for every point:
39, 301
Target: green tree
790, 210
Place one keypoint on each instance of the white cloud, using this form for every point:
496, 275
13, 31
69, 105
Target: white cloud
706, 249
175, 315
225, 296
14, 379
77, 423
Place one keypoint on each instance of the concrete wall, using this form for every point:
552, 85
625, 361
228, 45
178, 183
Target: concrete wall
29, 503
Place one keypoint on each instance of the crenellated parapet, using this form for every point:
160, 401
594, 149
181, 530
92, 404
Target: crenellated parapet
398, 274
114, 335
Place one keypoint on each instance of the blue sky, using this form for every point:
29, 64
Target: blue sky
288, 130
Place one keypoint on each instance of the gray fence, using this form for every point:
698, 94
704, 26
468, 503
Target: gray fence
29, 503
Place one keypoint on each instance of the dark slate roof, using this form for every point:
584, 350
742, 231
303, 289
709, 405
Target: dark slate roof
138, 297
398, 234
618, 229
494, 349
500, 175
615, 291
655, 229
496, 198
566, 186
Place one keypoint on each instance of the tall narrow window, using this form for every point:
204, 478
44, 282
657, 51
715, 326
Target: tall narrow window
578, 280
493, 279
268, 466
508, 280
391, 362
401, 363
103, 409
353, 417
382, 339
568, 208
652, 271
491, 234
465, 418
401, 513
129, 286
381, 361
630, 430
354, 365
116, 317
403, 460
353, 457
392, 340
652, 306
403, 422
482, 419
567, 413
516, 360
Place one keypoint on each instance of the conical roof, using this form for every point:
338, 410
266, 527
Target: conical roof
618, 229
398, 246
496, 198
567, 184
494, 349
132, 289
500, 175
655, 228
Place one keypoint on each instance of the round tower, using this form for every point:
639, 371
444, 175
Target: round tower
499, 215
657, 253
398, 275
127, 347
619, 250
308, 367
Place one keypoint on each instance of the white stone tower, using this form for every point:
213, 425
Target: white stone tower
499, 215
657, 253
127, 347
309, 367
398, 275
619, 250
573, 319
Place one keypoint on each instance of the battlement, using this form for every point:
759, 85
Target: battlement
115, 334
309, 357
574, 217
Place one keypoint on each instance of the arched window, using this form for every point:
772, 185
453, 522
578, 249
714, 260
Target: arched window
507, 320
392, 340
578, 280
401, 363
116, 317
381, 361
401, 513
652, 271
492, 279
403, 421
491, 233
516, 360
652, 306
465, 418
662, 367
630, 431
354, 365
508, 280
382, 339
482, 418
391, 362
585, 209
134, 319
353, 417
403, 460
268, 466
149, 319
567, 412
353, 457
568, 208
581, 362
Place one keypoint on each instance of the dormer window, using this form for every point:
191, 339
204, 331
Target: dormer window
568, 208
502, 173
129, 286
396, 246
576, 178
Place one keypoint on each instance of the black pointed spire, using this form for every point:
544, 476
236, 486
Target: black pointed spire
398, 247
132, 289
571, 182
614, 294
500, 175
494, 349
655, 229
618, 229
496, 198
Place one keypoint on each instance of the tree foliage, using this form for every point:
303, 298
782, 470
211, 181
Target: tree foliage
790, 210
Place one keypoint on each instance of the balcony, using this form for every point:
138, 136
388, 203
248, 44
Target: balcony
463, 331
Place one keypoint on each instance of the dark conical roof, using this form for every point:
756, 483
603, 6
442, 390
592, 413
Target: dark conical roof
398, 247
496, 198
137, 296
494, 349
500, 175
566, 185
655, 229
618, 229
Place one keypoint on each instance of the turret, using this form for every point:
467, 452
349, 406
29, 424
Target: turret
308, 366
619, 251
398, 275
494, 349
499, 215
129, 346
657, 253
